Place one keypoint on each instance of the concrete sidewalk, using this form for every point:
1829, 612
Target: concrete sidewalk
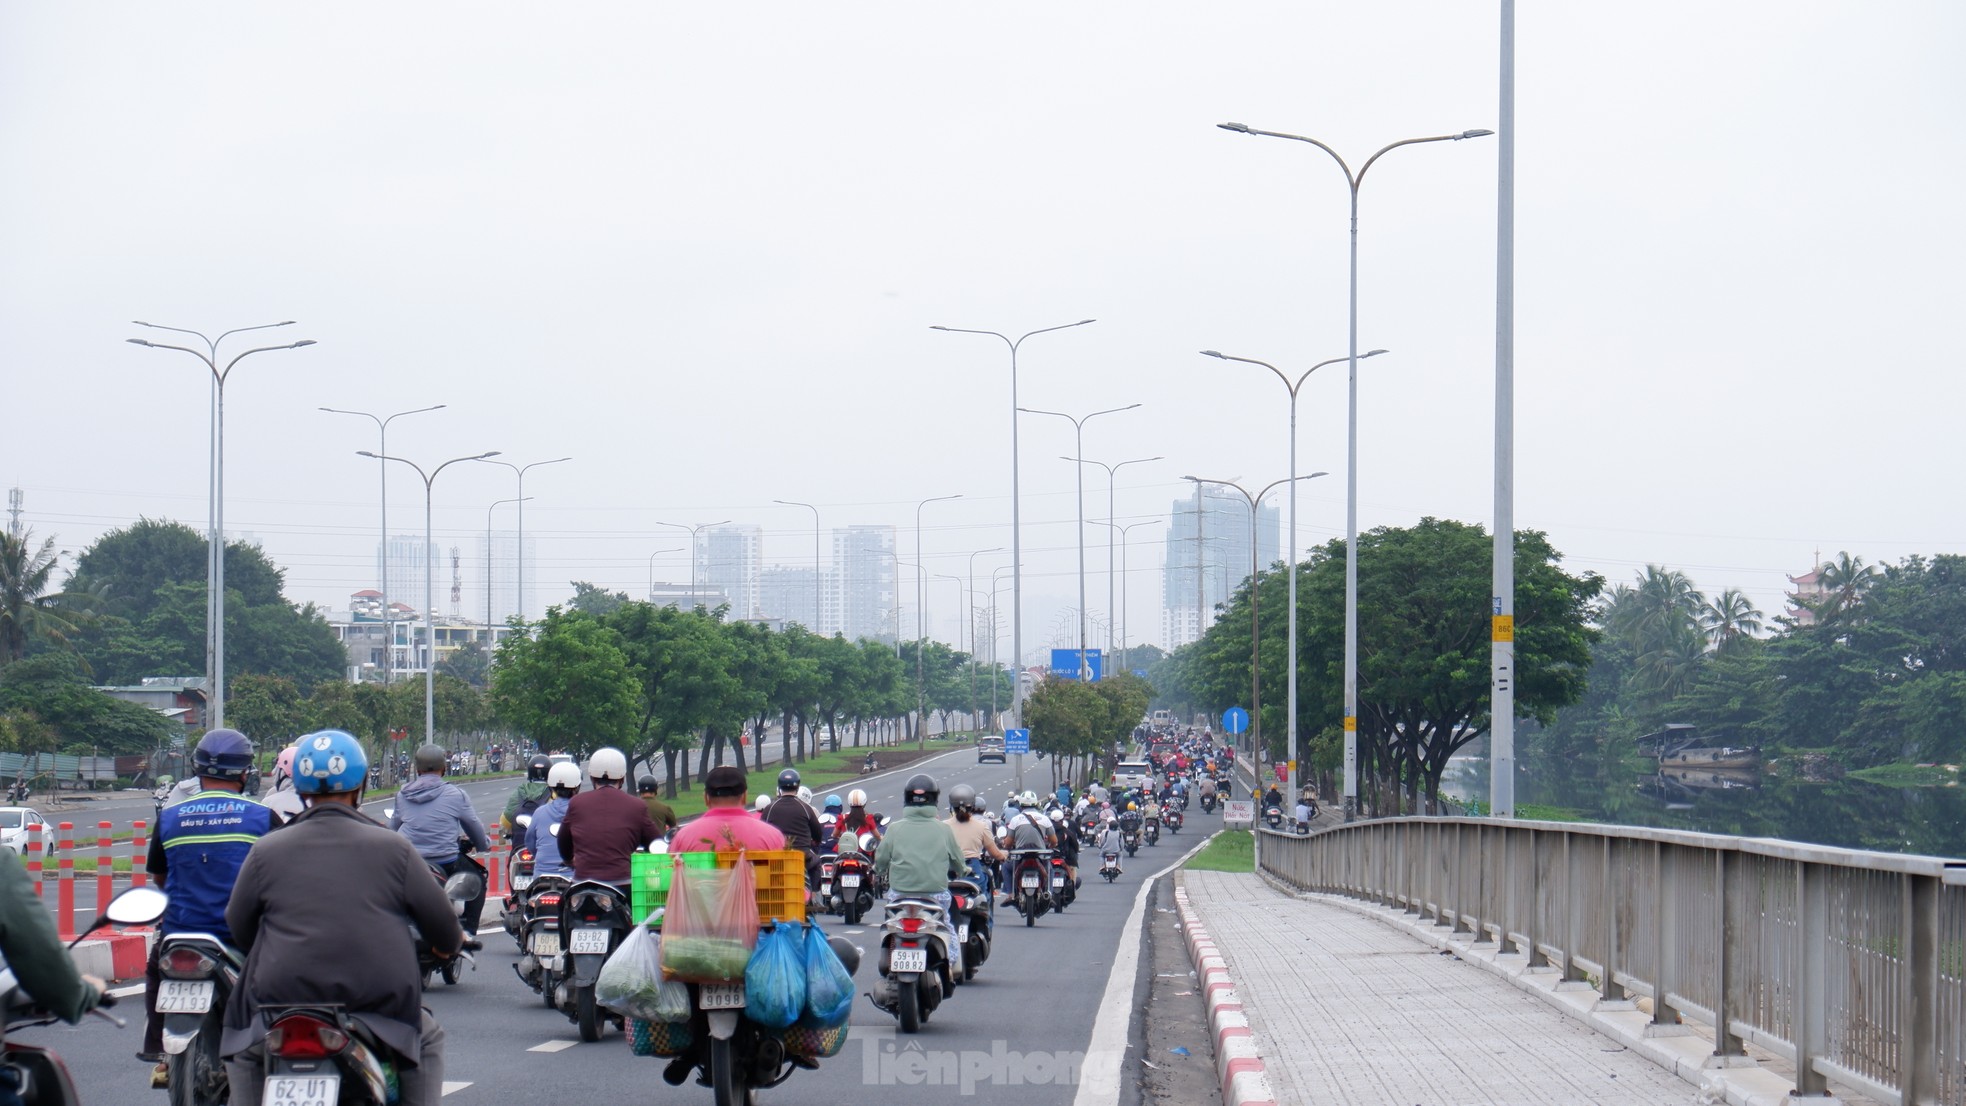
1343, 1009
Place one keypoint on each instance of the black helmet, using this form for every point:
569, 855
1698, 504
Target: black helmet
921, 791
788, 780
647, 785
537, 767
430, 758
223, 754
962, 797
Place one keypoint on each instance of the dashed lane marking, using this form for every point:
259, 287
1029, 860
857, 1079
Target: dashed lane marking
553, 1046
451, 1088
126, 992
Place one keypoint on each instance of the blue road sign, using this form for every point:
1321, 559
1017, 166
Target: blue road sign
1235, 720
1065, 664
1140, 672
1017, 741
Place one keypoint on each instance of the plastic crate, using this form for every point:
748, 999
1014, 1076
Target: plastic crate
659, 1038
649, 875
781, 879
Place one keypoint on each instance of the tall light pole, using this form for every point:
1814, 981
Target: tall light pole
970, 614
1112, 478
1352, 182
1016, 524
996, 664
652, 558
1125, 645
692, 550
1078, 450
382, 477
429, 600
921, 623
1501, 644
1255, 638
520, 578
818, 588
1351, 577
215, 496
488, 566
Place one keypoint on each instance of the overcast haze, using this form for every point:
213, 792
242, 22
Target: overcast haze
699, 248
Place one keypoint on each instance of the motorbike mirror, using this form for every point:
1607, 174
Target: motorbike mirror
136, 906
524, 820
388, 812
659, 845
463, 887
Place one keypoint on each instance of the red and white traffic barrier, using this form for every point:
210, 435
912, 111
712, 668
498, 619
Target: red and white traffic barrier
1244, 1081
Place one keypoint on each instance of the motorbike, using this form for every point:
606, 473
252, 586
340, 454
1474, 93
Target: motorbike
1173, 818
1207, 803
917, 971
44, 1079
517, 899
869, 765
459, 889
853, 879
1130, 835
540, 962
827, 863
1226, 784
1030, 882
594, 917
1062, 890
735, 1056
1109, 866
1152, 831
1273, 817
970, 907
198, 972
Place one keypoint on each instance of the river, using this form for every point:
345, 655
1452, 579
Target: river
1845, 812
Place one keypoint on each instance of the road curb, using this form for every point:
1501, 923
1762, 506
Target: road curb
1244, 1079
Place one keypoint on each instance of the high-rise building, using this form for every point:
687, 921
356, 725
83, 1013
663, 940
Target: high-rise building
409, 563
498, 577
788, 593
1210, 530
730, 559
863, 586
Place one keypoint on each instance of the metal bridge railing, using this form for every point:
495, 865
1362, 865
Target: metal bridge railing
1851, 965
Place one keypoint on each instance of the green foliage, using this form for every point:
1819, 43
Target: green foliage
47, 705
29, 609
597, 601
268, 709
568, 685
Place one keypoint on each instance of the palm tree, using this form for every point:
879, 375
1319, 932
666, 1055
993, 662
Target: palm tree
1657, 612
1844, 582
27, 607
1729, 618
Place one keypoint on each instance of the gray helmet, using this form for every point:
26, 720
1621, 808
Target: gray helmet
962, 797
921, 791
431, 758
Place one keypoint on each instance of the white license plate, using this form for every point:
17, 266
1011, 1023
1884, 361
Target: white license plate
962, 933
582, 942
908, 960
849, 882
520, 883
546, 942
1057, 883
301, 1090
723, 996
184, 996
1030, 881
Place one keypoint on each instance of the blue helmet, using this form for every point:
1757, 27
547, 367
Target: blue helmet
330, 762
833, 802
223, 754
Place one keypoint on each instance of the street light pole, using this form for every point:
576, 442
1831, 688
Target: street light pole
692, 550
652, 558
382, 478
1078, 450
1112, 475
488, 566
520, 576
970, 614
1016, 525
429, 600
1351, 586
996, 664
1352, 182
1125, 641
818, 590
921, 624
215, 493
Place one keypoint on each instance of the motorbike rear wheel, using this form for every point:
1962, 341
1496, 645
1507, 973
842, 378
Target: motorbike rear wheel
726, 1077
908, 1004
550, 988
196, 1070
1030, 908
587, 1014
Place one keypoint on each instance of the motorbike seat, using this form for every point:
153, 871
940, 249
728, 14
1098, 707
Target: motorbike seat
965, 887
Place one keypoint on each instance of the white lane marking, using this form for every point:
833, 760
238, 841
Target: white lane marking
1105, 1053
553, 1046
126, 992
451, 1088
911, 767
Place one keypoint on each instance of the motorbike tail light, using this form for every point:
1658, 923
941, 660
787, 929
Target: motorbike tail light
549, 900
303, 1037
911, 923
187, 963
525, 856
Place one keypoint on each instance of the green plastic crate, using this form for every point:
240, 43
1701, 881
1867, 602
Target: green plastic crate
650, 873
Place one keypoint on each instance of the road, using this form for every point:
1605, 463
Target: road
1047, 995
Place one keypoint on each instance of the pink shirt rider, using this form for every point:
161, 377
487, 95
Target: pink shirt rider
724, 829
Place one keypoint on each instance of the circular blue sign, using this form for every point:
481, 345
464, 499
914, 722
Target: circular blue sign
1235, 720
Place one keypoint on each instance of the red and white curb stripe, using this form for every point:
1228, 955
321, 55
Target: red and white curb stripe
1244, 1082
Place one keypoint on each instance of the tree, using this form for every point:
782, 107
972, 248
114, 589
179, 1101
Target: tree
46, 699
568, 686
1730, 619
597, 601
471, 663
28, 609
1844, 581
268, 709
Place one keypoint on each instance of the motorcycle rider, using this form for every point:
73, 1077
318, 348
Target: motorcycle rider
829, 820
1273, 798
1111, 842
531, 792
726, 823
563, 780
919, 856
433, 815
1067, 836
283, 799
195, 857
1129, 820
858, 818
605, 825
661, 813
1028, 829
796, 820
974, 837
319, 909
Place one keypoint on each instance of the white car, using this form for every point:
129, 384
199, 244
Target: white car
16, 822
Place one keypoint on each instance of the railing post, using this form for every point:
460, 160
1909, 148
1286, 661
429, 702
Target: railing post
1918, 1018
1812, 980
105, 865
1664, 915
1478, 921
1572, 898
1462, 832
139, 853
1508, 908
1727, 1046
65, 880
1614, 933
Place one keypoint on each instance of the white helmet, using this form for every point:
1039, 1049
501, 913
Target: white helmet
1028, 800
608, 764
805, 795
563, 775
856, 797
763, 802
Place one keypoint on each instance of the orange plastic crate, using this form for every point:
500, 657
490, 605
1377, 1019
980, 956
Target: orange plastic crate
781, 880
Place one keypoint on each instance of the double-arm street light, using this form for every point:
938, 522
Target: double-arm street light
1255, 639
996, 665
1352, 183
1112, 478
921, 623
382, 477
970, 614
1078, 450
1125, 647
1351, 576
520, 600
215, 499
429, 570
818, 586
692, 550
489, 633
652, 558
1016, 520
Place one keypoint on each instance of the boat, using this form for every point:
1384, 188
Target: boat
1678, 746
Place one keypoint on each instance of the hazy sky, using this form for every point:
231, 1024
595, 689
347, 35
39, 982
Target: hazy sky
699, 247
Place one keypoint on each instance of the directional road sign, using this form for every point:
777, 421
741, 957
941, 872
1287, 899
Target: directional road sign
1235, 720
1239, 812
1017, 741
1065, 664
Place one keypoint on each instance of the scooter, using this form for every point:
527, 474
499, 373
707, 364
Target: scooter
44, 1079
1207, 802
198, 972
1173, 818
540, 963
827, 863
1153, 831
1030, 882
1062, 890
916, 968
970, 907
1109, 866
735, 1056
853, 879
594, 917
459, 889
1273, 817
519, 866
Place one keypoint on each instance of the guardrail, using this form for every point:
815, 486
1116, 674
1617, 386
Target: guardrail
1850, 964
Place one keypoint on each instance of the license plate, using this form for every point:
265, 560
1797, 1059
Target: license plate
825, 888
723, 996
520, 883
962, 933
908, 960
849, 882
1057, 883
546, 942
301, 1090
582, 942
184, 996
1030, 881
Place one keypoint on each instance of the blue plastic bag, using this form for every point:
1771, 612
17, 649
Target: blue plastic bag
775, 979
829, 989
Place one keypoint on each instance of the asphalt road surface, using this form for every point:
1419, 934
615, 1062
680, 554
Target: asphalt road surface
1074, 984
